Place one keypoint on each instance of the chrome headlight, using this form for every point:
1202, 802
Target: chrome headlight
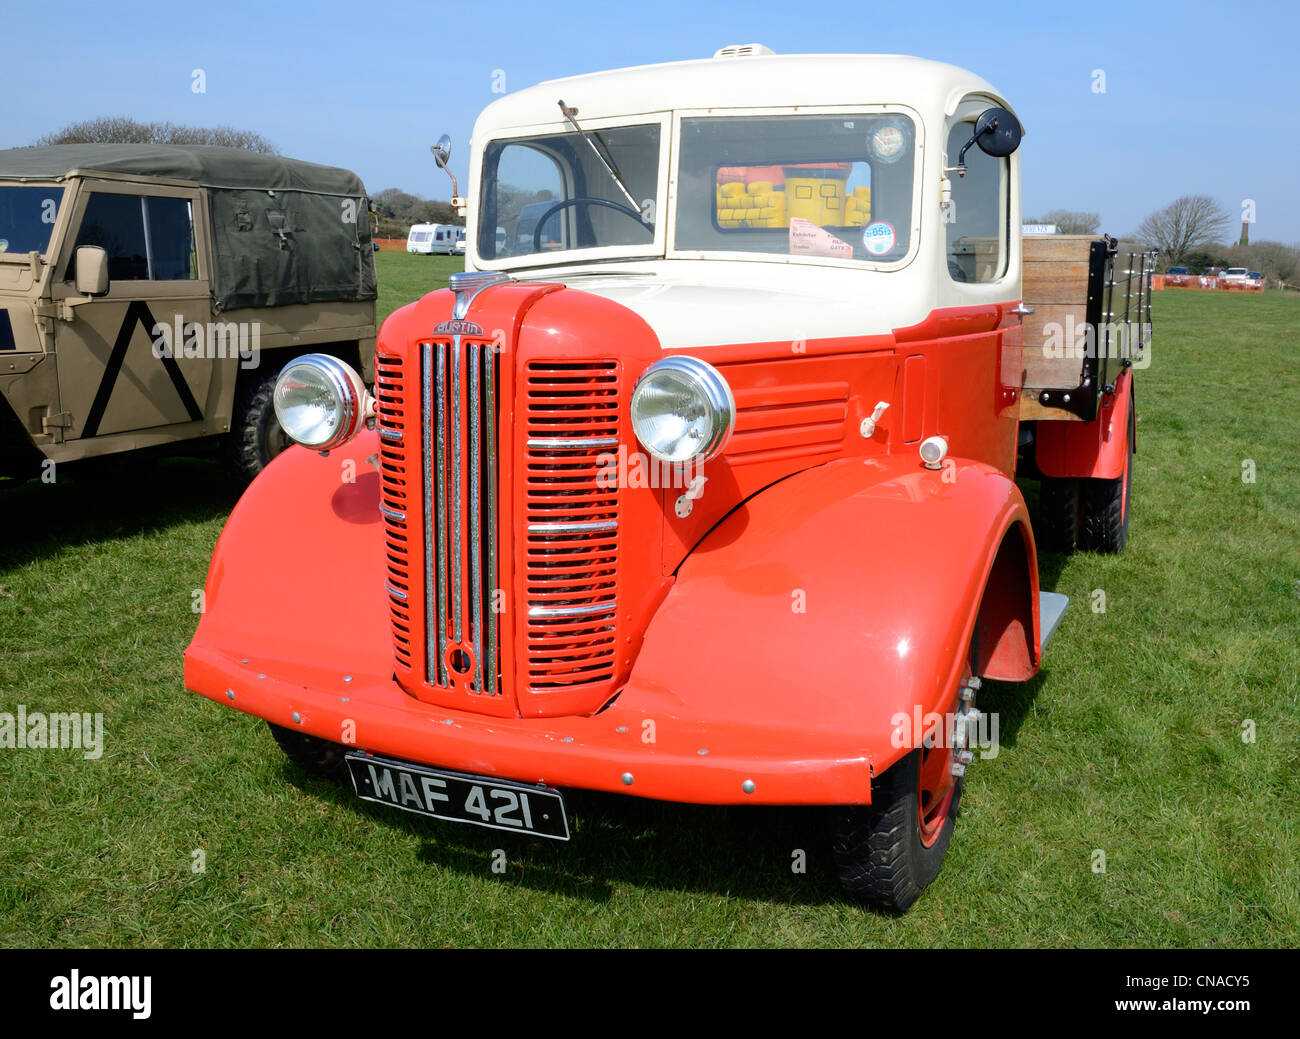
683, 410
320, 401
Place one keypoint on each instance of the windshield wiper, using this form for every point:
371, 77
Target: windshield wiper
608, 163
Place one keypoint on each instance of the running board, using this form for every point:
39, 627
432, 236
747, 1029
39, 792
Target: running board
1051, 608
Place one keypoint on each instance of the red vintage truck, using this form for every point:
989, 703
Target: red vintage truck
699, 483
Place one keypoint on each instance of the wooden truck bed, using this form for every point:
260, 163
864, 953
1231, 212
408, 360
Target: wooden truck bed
1091, 316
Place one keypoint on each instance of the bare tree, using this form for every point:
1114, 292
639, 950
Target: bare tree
1183, 225
123, 130
1069, 221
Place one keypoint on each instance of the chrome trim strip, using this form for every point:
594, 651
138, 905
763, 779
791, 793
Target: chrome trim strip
392, 514
457, 505
431, 656
475, 515
573, 611
440, 579
565, 443
395, 591
572, 528
489, 394
393, 436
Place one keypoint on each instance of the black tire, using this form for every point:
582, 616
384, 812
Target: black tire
1106, 514
318, 757
1057, 529
878, 850
255, 435
1107, 509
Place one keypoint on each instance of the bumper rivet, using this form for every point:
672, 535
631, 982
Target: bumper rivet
347, 678
621, 728
261, 676
568, 739
297, 717
702, 750
627, 778
230, 694
747, 786
244, 661
345, 699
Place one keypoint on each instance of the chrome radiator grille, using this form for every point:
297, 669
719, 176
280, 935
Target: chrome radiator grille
572, 541
458, 393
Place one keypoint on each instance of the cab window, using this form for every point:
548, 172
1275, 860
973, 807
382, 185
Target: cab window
555, 193
146, 238
975, 222
838, 186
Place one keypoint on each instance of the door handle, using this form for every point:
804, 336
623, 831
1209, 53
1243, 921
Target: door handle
1022, 309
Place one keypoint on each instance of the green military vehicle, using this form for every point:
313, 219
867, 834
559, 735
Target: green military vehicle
150, 294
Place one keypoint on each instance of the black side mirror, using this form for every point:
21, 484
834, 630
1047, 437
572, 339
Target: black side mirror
997, 132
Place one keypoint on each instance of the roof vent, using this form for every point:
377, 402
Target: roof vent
743, 50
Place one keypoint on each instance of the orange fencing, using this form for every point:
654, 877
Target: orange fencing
1205, 282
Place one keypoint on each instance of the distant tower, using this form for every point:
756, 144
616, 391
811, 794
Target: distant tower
1245, 232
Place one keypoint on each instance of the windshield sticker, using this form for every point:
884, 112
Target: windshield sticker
807, 239
879, 238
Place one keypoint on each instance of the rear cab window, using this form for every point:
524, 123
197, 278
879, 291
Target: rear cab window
977, 219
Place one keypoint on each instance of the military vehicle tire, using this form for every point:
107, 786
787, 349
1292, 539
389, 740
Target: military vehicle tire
255, 435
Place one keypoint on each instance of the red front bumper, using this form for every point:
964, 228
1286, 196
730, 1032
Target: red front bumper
647, 753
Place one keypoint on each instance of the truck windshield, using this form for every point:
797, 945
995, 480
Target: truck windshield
835, 186
554, 194
27, 216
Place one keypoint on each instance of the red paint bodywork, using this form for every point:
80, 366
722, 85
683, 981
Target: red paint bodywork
1098, 449
823, 582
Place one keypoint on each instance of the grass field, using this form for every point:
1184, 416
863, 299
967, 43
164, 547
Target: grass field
1130, 741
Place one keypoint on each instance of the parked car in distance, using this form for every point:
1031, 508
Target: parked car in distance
1177, 270
1236, 274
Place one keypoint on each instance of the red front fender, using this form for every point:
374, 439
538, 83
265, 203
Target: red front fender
842, 596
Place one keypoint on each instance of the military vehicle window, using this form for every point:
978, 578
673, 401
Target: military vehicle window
975, 222
27, 216
807, 185
147, 239
563, 180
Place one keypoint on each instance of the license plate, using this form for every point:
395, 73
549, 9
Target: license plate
498, 804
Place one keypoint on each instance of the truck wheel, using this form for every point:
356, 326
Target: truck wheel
318, 757
255, 435
1057, 529
1106, 509
887, 852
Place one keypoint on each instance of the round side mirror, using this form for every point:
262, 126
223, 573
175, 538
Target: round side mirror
441, 151
998, 132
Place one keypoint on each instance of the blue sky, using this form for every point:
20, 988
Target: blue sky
1199, 98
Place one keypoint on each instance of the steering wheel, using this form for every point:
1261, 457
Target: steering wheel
583, 200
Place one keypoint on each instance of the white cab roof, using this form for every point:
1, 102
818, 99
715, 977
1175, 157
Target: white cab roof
759, 81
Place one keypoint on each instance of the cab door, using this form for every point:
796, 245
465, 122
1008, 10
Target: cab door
121, 366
